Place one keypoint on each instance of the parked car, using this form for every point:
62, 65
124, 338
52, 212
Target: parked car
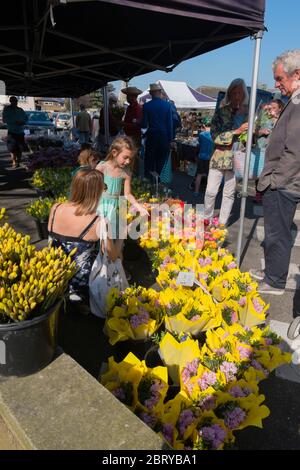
38, 120
63, 121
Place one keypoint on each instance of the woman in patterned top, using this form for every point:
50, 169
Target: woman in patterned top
229, 121
75, 224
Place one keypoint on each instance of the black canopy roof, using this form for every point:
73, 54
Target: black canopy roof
72, 47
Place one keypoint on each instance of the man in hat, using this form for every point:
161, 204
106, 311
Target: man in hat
133, 115
15, 118
157, 119
83, 125
113, 123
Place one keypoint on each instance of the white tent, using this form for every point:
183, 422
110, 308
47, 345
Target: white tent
183, 96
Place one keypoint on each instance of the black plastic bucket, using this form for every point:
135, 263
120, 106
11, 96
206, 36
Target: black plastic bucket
42, 228
28, 346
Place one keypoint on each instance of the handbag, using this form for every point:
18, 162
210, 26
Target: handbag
105, 275
257, 161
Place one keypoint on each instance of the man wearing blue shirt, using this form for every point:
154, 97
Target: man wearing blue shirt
157, 119
206, 146
15, 118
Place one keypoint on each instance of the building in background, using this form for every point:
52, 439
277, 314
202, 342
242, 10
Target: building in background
50, 104
25, 102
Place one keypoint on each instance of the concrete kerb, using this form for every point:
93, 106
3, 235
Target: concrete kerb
63, 407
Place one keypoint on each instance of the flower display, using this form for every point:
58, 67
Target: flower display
134, 314
51, 157
55, 180
40, 208
30, 281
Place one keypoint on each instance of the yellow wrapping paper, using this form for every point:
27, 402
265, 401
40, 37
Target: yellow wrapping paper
248, 316
176, 355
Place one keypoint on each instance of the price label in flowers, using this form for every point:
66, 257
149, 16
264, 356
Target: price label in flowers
188, 280
185, 279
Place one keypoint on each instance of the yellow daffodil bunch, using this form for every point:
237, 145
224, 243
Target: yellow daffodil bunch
2, 213
56, 180
134, 314
40, 208
30, 281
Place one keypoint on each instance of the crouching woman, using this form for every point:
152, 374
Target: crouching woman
75, 224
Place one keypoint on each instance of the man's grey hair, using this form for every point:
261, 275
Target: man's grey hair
290, 61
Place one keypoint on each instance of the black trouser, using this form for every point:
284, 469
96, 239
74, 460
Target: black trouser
279, 211
157, 150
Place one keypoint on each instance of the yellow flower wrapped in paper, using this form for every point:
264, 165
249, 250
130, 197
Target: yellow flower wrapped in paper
152, 388
189, 311
224, 286
175, 354
181, 415
122, 379
239, 413
134, 314
196, 379
210, 433
252, 310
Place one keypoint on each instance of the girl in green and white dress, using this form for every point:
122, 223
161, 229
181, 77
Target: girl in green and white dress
116, 170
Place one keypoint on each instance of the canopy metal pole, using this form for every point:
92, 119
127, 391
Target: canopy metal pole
72, 112
258, 37
72, 118
106, 118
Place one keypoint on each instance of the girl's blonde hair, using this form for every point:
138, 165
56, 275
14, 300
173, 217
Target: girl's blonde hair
85, 156
86, 189
120, 144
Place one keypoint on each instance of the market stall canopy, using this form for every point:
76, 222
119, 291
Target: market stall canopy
184, 96
72, 47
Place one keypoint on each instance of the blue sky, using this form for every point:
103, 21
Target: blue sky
219, 67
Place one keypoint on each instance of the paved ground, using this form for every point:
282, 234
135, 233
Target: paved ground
81, 335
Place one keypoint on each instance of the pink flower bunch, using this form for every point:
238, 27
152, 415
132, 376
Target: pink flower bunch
229, 369
208, 379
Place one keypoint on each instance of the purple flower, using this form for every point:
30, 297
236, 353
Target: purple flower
137, 320
231, 265
257, 305
208, 402
207, 379
168, 431
268, 341
234, 418
148, 419
239, 392
185, 419
234, 316
245, 353
195, 318
242, 302
214, 435
205, 261
229, 369
119, 393
257, 365
220, 352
